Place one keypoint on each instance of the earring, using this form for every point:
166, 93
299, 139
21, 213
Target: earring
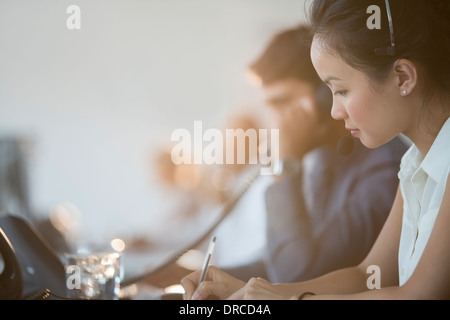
404, 92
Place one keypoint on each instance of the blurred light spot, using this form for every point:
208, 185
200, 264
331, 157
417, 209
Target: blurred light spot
118, 244
128, 292
191, 260
65, 217
187, 176
176, 288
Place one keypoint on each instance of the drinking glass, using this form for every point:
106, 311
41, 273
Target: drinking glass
93, 276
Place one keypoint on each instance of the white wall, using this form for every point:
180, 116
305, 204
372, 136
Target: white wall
97, 101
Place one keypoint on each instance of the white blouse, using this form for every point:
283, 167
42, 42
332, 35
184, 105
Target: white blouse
422, 182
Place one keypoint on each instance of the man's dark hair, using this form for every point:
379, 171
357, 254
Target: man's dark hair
287, 56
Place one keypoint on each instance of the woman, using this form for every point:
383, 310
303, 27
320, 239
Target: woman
388, 81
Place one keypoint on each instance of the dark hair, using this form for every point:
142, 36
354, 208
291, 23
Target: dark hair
421, 31
287, 56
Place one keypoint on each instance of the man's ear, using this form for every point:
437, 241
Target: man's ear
405, 72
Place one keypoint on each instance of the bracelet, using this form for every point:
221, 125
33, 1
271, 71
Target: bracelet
304, 294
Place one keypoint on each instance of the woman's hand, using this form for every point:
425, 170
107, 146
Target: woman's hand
218, 285
260, 289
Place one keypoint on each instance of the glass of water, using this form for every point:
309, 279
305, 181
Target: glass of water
93, 276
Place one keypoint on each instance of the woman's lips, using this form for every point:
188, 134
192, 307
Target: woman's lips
353, 132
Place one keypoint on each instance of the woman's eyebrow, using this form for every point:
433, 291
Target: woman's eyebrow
331, 78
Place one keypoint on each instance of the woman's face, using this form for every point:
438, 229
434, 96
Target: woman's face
371, 113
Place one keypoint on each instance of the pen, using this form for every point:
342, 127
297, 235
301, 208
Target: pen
207, 259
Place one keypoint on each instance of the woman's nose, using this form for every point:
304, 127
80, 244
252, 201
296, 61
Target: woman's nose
338, 111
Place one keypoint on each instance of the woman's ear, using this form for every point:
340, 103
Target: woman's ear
406, 73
